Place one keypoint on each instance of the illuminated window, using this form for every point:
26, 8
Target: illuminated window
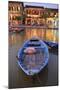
29, 11
29, 21
18, 8
13, 8
11, 16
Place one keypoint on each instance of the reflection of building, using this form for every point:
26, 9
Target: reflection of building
44, 34
15, 12
34, 15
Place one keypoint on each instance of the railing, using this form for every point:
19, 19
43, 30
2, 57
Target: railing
32, 26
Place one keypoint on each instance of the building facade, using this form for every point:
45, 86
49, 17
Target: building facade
34, 15
42, 16
52, 19
15, 12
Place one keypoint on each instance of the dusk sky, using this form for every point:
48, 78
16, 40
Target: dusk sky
46, 5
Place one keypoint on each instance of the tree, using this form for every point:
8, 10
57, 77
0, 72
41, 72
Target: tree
18, 18
45, 16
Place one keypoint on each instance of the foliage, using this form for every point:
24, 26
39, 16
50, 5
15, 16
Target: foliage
18, 17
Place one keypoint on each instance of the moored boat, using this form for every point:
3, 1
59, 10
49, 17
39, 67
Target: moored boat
33, 56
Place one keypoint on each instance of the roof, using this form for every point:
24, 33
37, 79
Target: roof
52, 9
15, 2
29, 6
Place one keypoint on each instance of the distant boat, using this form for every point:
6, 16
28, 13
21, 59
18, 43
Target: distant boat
33, 56
52, 45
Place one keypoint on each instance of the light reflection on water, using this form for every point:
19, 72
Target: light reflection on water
17, 78
43, 34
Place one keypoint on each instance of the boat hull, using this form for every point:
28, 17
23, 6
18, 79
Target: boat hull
33, 62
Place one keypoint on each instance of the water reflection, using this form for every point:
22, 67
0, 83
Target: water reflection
16, 38
43, 34
17, 78
20, 79
34, 32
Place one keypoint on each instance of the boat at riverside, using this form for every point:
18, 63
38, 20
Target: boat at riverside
33, 56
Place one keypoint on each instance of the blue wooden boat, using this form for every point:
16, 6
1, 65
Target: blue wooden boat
33, 56
51, 44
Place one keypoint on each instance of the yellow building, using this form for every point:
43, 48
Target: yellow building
34, 14
15, 11
52, 19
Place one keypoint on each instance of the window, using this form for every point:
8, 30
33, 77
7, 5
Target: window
33, 12
14, 17
27, 11
29, 21
18, 8
10, 18
37, 12
13, 8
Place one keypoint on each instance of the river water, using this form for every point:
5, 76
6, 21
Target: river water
47, 77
